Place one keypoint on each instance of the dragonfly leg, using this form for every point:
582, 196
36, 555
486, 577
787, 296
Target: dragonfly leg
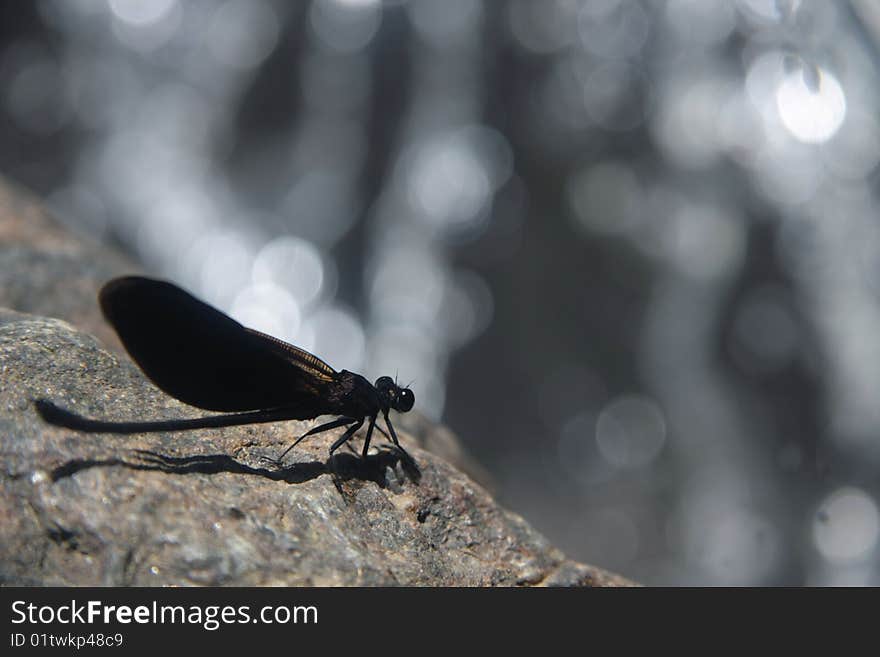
394, 436
348, 434
369, 435
339, 422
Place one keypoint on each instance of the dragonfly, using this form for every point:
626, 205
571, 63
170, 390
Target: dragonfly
204, 358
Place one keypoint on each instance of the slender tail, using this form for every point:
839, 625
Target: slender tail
64, 418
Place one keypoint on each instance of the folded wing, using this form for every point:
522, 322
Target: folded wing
204, 358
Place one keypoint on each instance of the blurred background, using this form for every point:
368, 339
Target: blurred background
627, 250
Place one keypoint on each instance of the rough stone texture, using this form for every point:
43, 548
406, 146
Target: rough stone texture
204, 508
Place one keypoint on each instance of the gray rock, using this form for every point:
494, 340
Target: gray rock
204, 507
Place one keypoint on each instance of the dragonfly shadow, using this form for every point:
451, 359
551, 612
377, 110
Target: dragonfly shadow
202, 463
375, 468
216, 463
341, 466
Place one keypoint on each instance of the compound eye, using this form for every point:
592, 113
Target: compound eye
405, 400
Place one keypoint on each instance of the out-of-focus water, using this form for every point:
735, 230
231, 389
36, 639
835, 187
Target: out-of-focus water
629, 251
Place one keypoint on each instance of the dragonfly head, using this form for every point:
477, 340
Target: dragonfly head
393, 396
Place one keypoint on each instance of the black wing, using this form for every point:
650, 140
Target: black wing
299, 357
204, 358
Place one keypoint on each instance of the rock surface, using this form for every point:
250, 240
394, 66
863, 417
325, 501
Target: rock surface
204, 507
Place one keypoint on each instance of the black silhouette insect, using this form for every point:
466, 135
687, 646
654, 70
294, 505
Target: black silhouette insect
206, 359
